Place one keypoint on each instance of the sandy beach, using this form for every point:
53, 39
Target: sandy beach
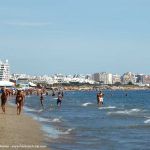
20, 132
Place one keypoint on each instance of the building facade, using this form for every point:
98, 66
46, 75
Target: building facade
4, 71
103, 78
116, 78
128, 77
146, 79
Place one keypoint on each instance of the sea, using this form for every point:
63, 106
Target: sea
123, 122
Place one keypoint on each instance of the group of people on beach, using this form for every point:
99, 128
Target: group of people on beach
19, 99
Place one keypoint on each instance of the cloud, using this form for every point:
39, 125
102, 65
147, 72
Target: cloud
28, 24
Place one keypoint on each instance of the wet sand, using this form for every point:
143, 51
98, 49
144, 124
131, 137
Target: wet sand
20, 131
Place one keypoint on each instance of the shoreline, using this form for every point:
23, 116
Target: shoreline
103, 87
20, 131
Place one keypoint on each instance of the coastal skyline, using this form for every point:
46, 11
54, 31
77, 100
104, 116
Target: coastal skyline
47, 37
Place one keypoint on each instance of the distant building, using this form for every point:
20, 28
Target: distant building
22, 81
139, 78
4, 71
60, 78
96, 77
146, 79
103, 78
116, 78
128, 77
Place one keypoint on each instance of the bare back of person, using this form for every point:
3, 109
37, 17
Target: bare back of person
3, 99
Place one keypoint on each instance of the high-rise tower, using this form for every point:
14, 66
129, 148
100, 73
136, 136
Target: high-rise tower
4, 71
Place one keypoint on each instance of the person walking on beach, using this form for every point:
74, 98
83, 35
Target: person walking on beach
4, 96
53, 93
100, 96
59, 99
41, 100
19, 101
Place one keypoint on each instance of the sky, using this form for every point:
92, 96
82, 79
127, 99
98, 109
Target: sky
75, 36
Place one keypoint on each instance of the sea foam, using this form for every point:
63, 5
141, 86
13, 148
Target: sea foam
127, 112
108, 107
86, 104
147, 121
51, 132
55, 133
29, 109
56, 120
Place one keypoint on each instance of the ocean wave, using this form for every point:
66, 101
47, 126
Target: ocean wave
55, 133
40, 110
51, 132
127, 112
41, 119
147, 121
86, 104
108, 107
67, 131
29, 109
56, 120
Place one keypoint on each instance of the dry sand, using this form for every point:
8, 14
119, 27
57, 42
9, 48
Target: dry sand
20, 131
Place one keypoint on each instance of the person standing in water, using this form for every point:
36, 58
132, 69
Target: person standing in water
41, 100
100, 96
19, 101
4, 96
59, 99
53, 93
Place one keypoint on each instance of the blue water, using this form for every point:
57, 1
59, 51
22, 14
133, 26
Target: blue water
123, 122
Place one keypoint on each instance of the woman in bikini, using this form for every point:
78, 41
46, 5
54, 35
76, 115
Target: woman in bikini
19, 102
100, 96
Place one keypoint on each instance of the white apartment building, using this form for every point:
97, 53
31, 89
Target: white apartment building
103, 77
146, 79
128, 77
96, 77
116, 78
4, 71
